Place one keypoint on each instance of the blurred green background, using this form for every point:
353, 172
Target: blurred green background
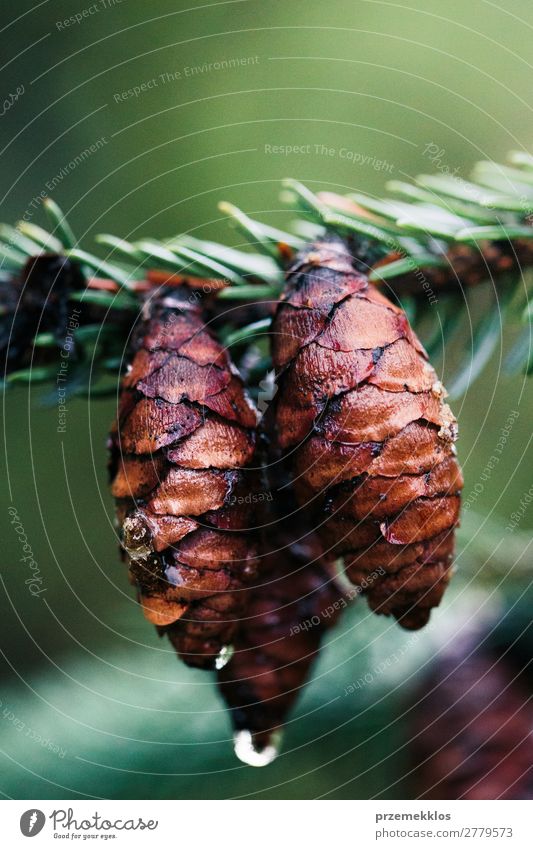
93, 704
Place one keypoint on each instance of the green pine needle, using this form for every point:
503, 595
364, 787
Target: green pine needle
307, 230
262, 237
16, 239
38, 374
250, 293
109, 300
467, 191
485, 338
42, 237
312, 205
494, 233
246, 264
208, 266
10, 258
244, 334
518, 175
446, 323
45, 340
101, 267
464, 209
60, 224
522, 159
120, 246
406, 265
521, 354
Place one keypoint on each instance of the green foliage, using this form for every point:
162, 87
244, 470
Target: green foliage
412, 237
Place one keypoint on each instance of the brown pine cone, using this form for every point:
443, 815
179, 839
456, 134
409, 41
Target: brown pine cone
360, 414
471, 726
184, 437
279, 639
36, 301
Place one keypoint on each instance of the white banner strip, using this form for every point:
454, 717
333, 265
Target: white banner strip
262, 825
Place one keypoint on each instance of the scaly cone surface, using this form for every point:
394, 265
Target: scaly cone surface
361, 416
296, 602
184, 438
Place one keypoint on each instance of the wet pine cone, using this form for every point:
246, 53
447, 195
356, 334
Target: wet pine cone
361, 416
180, 449
296, 602
471, 724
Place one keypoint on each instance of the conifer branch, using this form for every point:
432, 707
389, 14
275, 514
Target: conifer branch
426, 244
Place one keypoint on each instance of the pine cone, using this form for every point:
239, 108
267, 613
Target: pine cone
36, 302
360, 413
276, 645
471, 726
179, 451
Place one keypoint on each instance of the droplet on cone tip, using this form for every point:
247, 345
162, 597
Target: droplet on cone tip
250, 754
224, 656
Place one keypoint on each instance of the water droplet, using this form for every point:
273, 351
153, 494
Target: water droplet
136, 537
247, 751
224, 656
438, 389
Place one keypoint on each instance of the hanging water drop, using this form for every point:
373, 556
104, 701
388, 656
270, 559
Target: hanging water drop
250, 754
224, 657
